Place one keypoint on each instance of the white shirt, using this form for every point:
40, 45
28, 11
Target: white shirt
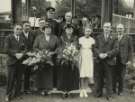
106, 36
17, 37
119, 37
26, 34
47, 38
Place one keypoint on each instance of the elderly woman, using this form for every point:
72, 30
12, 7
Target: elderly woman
68, 71
49, 42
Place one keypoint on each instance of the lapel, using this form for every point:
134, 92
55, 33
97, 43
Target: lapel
71, 40
14, 39
105, 42
25, 36
103, 38
123, 39
109, 38
27, 40
15, 42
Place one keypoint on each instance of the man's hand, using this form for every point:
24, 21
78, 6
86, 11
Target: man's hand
103, 55
19, 55
129, 64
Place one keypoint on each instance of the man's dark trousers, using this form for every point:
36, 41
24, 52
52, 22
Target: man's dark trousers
14, 81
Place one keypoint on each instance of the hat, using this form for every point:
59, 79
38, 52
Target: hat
50, 9
69, 26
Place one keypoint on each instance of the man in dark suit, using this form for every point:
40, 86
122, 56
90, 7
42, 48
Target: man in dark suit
124, 58
67, 21
105, 50
50, 14
28, 38
14, 47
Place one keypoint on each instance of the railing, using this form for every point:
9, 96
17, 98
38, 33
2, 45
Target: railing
129, 23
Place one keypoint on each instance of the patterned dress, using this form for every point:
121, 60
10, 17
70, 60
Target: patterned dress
86, 57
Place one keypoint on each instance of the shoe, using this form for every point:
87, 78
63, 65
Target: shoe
90, 90
42, 93
98, 95
108, 98
19, 98
27, 92
7, 99
121, 94
65, 95
85, 94
81, 93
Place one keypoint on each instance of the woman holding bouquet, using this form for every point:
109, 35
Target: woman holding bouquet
86, 61
68, 71
46, 42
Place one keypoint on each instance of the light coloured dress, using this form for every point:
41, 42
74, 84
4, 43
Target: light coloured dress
86, 57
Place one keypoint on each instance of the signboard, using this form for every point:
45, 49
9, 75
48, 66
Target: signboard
34, 21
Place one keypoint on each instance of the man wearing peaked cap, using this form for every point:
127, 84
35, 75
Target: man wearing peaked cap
50, 16
50, 9
68, 26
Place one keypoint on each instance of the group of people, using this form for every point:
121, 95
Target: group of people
100, 60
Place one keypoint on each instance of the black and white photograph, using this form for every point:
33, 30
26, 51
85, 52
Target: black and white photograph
67, 50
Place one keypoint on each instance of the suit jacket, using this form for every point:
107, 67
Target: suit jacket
55, 27
28, 41
40, 43
110, 47
64, 40
125, 49
12, 46
37, 33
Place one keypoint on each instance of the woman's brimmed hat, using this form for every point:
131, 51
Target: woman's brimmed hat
69, 26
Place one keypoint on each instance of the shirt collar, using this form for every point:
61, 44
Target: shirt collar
26, 34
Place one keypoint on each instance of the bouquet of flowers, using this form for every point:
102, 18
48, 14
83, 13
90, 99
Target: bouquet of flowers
35, 58
70, 54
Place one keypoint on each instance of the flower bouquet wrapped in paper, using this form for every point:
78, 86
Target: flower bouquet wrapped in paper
35, 58
70, 55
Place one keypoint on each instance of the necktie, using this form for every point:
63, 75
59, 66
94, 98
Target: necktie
26, 35
106, 37
119, 37
17, 38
